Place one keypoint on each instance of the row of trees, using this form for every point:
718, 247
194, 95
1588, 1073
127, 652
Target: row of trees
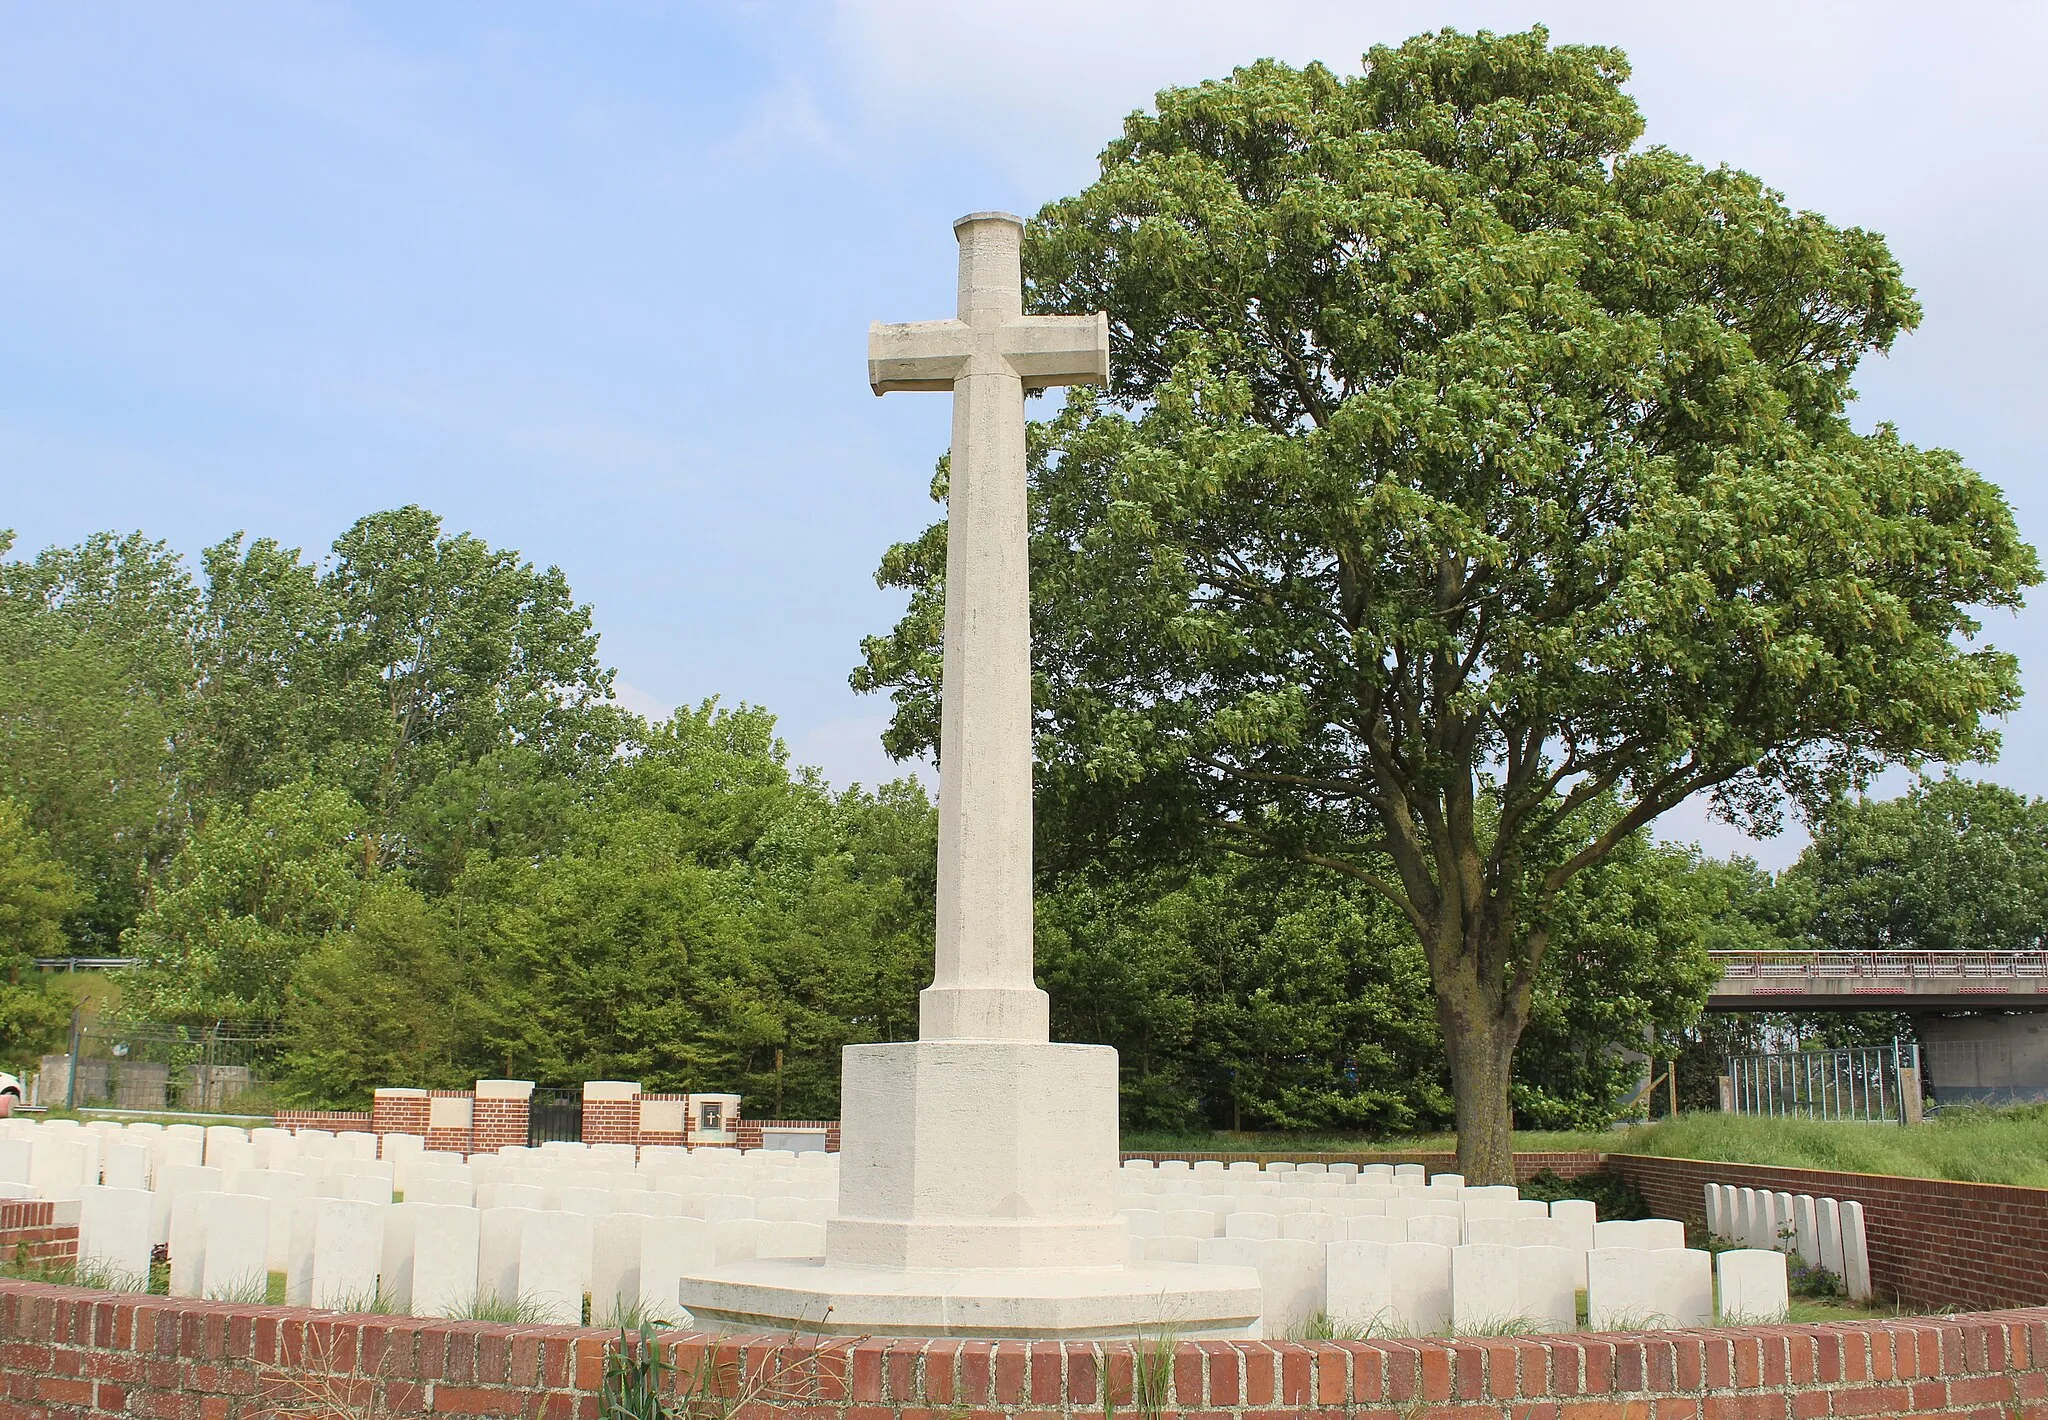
447, 865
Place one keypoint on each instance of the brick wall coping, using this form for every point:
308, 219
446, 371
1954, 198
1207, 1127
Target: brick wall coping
69, 1352
1829, 1182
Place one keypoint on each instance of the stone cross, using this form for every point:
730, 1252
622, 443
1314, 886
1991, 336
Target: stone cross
983, 988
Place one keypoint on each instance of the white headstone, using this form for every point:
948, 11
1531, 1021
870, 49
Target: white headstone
670, 1250
614, 1266
124, 1164
1754, 1286
236, 1264
1805, 1230
1547, 1284
1631, 1289
186, 1219
1485, 1288
554, 1265
1827, 1227
1855, 1253
1389, 1289
115, 1235
348, 1245
500, 1231
1373, 1227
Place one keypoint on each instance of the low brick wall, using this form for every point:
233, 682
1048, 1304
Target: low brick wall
335, 1121
71, 1353
30, 1236
1527, 1166
1932, 1243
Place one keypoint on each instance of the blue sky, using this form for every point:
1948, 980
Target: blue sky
592, 280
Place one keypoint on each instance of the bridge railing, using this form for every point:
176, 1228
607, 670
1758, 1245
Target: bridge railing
1985, 966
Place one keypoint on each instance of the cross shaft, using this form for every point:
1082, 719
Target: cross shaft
988, 356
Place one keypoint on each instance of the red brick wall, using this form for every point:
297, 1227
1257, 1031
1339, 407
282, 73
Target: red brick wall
1527, 1166
337, 1121
399, 1113
747, 1132
496, 1122
67, 1354
446, 1140
651, 1138
611, 1121
30, 1236
1932, 1243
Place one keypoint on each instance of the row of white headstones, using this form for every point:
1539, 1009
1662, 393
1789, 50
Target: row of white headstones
1384, 1250
526, 1232
1380, 1249
1823, 1233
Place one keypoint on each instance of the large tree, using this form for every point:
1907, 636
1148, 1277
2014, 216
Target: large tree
1475, 486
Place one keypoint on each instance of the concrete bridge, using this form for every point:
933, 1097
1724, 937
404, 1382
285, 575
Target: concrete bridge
1881, 981
1988, 1056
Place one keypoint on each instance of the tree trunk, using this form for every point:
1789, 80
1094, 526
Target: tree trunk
1481, 1048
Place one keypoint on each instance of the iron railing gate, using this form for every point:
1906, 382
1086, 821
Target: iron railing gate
1863, 1083
554, 1115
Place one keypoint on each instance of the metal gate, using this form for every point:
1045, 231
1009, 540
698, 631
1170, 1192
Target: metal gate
554, 1114
1877, 1085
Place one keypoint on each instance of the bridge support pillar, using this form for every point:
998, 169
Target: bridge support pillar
1988, 1058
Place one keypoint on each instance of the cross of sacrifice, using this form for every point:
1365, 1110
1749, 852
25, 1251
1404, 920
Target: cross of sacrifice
983, 987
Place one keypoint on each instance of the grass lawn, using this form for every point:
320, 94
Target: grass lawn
1971, 1146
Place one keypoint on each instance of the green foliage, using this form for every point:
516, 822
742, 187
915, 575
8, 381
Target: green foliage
1247, 996
1614, 1195
37, 893
94, 669
1953, 865
383, 1000
1474, 487
252, 892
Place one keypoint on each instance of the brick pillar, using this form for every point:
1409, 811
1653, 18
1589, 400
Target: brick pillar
451, 1122
611, 1112
399, 1111
499, 1114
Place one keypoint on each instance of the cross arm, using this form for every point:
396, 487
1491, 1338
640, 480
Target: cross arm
918, 355
1058, 350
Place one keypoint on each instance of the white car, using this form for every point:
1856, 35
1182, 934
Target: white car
11, 1093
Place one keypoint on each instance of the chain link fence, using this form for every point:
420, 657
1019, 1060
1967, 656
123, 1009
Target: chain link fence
218, 1069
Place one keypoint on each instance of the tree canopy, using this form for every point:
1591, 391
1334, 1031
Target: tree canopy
1475, 485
